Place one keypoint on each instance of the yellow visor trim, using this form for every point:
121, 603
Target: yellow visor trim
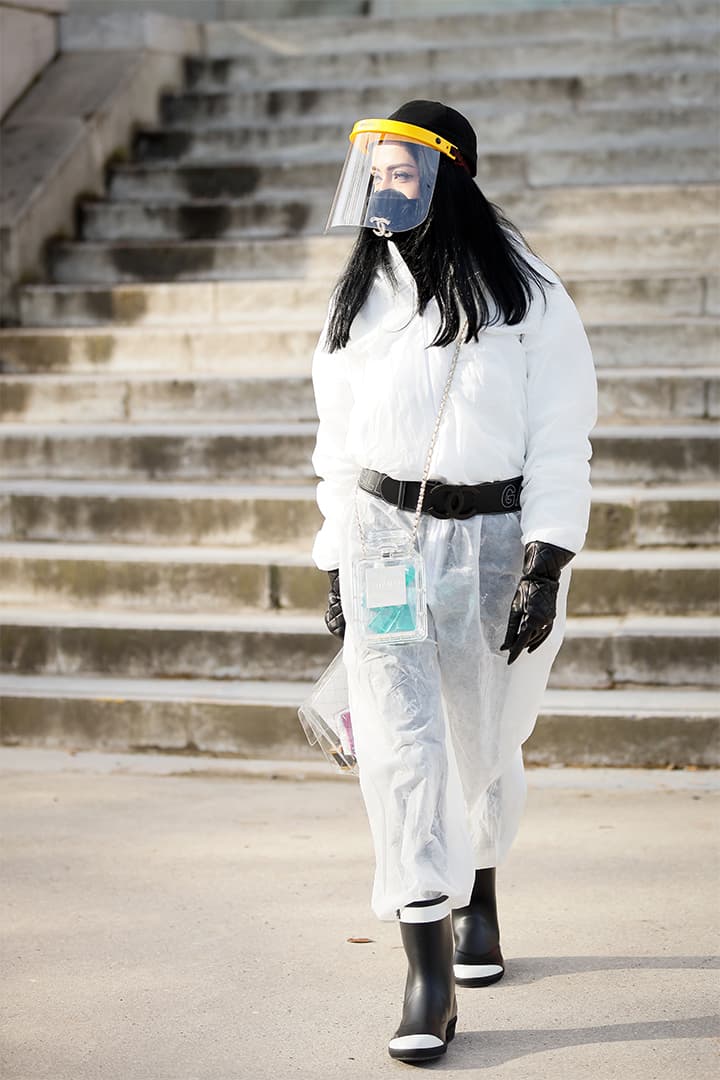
409, 131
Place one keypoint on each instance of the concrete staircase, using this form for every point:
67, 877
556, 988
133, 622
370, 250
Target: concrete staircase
157, 500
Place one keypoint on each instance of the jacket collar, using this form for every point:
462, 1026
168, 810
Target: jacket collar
404, 277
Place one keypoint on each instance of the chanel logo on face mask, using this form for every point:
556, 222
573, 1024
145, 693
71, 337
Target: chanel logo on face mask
381, 224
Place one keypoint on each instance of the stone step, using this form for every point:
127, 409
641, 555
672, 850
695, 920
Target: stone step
231, 580
281, 452
671, 249
645, 395
652, 394
693, 50
528, 129
248, 177
616, 727
635, 164
308, 259
169, 451
202, 302
628, 299
243, 349
253, 350
291, 37
597, 653
648, 727
655, 455
71, 398
480, 96
200, 219
560, 209
501, 173
80, 511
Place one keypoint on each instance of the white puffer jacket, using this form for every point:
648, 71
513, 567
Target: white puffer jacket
523, 401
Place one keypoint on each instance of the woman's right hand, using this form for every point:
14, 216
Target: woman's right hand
334, 618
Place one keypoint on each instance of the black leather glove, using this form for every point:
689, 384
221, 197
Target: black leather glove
532, 612
334, 618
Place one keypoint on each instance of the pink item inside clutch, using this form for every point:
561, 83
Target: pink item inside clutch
346, 732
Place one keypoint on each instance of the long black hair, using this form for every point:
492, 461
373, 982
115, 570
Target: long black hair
465, 251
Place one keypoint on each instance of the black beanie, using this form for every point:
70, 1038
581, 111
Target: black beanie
443, 121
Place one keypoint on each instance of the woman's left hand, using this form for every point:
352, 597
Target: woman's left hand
533, 608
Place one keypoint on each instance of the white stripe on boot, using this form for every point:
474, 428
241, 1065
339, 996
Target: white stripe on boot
427, 913
476, 971
414, 1042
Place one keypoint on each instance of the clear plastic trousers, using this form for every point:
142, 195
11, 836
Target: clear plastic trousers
439, 724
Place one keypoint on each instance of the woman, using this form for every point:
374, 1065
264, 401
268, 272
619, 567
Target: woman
451, 354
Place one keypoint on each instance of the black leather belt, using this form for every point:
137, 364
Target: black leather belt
445, 500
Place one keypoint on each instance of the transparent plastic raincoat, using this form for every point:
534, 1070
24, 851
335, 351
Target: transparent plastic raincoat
439, 724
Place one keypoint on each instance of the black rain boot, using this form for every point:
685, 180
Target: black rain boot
430, 1007
478, 959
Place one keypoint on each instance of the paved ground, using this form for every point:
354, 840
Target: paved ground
195, 927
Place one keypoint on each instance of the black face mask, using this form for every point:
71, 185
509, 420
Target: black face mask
389, 212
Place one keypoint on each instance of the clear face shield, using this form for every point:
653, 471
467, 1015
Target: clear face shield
388, 178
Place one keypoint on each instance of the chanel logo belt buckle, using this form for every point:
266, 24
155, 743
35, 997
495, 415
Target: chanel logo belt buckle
449, 501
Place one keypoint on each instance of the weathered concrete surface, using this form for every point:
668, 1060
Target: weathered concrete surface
639, 394
80, 511
28, 41
679, 250
272, 452
257, 721
170, 927
598, 653
477, 90
232, 579
104, 30
451, 21
58, 137
193, 303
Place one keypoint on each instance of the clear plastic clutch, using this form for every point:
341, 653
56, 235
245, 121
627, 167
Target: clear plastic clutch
389, 598
325, 717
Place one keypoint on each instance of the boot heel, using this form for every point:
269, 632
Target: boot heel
450, 1030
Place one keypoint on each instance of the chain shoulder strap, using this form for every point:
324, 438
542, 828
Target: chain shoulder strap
433, 439
431, 448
